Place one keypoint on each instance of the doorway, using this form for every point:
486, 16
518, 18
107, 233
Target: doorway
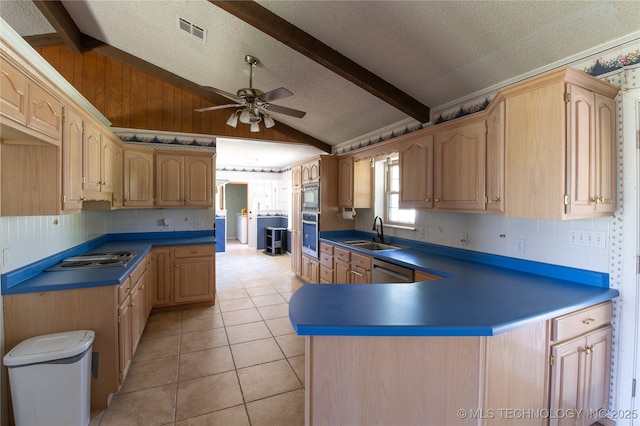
236, 202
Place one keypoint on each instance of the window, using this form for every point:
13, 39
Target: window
392, 212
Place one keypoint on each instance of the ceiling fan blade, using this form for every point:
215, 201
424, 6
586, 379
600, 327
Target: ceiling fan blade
284, 110
223, 93
212, 108
275, 94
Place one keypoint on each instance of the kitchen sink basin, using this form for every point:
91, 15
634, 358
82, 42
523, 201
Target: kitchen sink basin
373, 246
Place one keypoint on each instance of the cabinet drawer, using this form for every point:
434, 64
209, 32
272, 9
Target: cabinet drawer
326, 248
360, 261
326, 274
138, 271
326, 260
341, 254
123, 290
194, 251
581, 321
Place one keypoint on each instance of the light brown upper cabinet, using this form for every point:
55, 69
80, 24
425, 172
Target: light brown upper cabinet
355, 180
27, 107
184, 180
97, 162
72, 161
416, 173
118, 175
459, 166
560, 147
311, 171
296, 177
494, 176
138, 177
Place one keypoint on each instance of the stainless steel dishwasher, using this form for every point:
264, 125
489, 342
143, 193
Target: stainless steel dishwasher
385, 272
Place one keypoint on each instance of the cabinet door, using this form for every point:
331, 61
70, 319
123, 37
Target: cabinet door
605, 147
136, 305
198, 181
193, 280
580, 376
310, 270
581, 153
125, 323
495, 160
296, 252
72, 162
106, 165
342, 272
169, 180
91, 151
138, 178
296, 177
345, 182
13, 93
597, 376
416, 174
566, 373
150, 284
459, 167
162, 279
118, 172
45, 113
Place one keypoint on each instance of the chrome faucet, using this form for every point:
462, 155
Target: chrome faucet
380, 232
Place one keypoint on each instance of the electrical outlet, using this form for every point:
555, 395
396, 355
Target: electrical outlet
586, 238
198, 223
520, 246
6, 257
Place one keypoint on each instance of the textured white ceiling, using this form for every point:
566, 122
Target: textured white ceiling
435, 51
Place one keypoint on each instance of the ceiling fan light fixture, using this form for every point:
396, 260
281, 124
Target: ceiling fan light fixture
268, 121
255, 127
233, 120
245, 116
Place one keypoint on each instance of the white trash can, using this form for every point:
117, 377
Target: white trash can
50, 379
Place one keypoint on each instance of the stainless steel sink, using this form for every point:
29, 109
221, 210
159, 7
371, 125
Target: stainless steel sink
373, 246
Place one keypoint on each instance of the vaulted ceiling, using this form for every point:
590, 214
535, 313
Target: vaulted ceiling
355, 67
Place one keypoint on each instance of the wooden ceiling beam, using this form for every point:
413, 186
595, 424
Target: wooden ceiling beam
62, 22
266, 21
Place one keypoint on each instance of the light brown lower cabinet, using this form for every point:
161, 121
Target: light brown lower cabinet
115, 313
310, 271
581, 363
326, 263
183, 275
132, 316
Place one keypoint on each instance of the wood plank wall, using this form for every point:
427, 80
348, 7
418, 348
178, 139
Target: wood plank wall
132, 98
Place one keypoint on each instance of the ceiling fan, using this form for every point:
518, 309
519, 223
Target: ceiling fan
254, 105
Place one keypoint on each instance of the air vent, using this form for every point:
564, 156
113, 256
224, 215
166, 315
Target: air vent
193, 30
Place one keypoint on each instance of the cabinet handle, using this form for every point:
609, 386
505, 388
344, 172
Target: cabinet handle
427, 200
83, 199
588, 321
588, 350
496, 199
357, 273
437, 200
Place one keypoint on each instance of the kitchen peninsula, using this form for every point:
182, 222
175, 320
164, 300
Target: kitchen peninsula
450, 351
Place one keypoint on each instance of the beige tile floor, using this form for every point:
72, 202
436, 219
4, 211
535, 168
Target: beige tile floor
238, 362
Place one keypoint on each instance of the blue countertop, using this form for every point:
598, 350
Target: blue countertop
478, 295
34, 277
